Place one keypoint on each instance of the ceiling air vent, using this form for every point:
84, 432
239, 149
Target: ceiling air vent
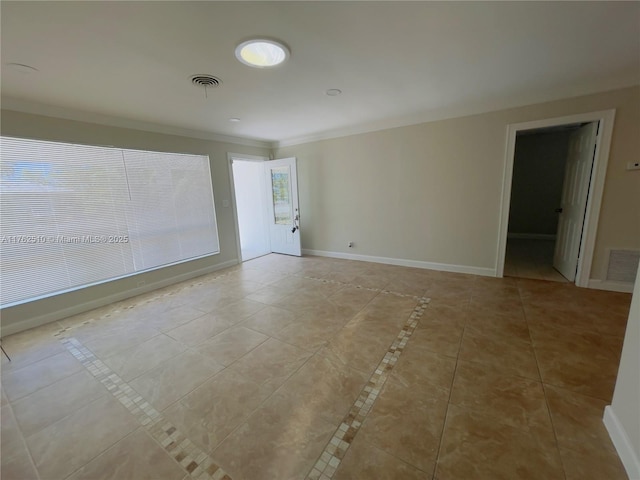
207, 81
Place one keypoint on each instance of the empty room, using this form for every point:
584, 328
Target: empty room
319, 240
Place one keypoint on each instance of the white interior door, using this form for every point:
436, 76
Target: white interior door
574, 199
282, 200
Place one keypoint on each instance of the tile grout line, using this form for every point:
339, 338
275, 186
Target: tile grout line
23, 437
446, 414
64, 330
360, 287
542, 384
312, 354
197, 463
335, 450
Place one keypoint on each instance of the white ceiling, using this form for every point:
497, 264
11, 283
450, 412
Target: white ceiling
396, 62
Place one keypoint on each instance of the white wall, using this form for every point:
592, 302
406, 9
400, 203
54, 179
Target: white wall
622, 417
427, 193
48, 128
250, 193
431, 192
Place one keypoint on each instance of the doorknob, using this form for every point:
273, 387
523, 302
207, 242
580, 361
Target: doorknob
558, 210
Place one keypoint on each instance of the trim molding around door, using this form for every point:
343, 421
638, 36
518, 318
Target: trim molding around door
594, 199
230, 158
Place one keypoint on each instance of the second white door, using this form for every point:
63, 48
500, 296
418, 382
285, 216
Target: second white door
575, 192
282, 203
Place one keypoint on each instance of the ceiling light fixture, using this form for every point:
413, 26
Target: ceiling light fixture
333, 92
234, 120
262, 53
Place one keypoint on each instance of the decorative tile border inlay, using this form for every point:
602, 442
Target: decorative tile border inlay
360, 287
197, 463
211, 278
337, 447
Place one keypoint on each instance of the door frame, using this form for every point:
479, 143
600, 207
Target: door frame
247, 158
594, 197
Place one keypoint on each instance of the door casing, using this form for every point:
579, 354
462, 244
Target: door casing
594, 199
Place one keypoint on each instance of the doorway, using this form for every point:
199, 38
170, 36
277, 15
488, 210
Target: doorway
265, 205
548, 199
250, 206
549, 215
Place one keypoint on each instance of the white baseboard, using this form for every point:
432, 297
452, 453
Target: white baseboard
444, 267
624, 287
531, 236
100, 302
622, 443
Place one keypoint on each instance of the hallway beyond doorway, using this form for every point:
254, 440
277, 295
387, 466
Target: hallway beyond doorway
527, 258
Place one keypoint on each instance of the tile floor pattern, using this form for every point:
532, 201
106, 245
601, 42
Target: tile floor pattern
531, 259
258, 366
197, 463
334, 452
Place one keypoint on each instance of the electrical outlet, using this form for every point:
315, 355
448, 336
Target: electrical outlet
633, 166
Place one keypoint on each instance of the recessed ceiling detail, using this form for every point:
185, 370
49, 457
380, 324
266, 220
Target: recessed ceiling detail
262, 53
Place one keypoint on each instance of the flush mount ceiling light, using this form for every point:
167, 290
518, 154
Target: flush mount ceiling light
262, 53
234, 120
333, 92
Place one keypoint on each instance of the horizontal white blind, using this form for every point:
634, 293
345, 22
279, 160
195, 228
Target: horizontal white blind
74, 215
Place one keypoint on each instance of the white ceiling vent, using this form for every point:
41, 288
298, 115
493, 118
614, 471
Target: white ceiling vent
623, 265
206, 81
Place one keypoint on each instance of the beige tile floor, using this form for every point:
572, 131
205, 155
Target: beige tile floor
531, 259
251, 373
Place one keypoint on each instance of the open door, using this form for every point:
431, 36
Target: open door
282, 200
575, 192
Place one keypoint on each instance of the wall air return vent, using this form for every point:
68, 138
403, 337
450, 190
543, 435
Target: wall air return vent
623, 265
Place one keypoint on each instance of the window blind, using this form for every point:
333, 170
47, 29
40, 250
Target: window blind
75, 215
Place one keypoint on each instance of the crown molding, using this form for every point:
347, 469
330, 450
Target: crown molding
462, 110
34, 108
458, 111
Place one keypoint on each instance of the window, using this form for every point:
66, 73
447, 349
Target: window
75, 215
281, 201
